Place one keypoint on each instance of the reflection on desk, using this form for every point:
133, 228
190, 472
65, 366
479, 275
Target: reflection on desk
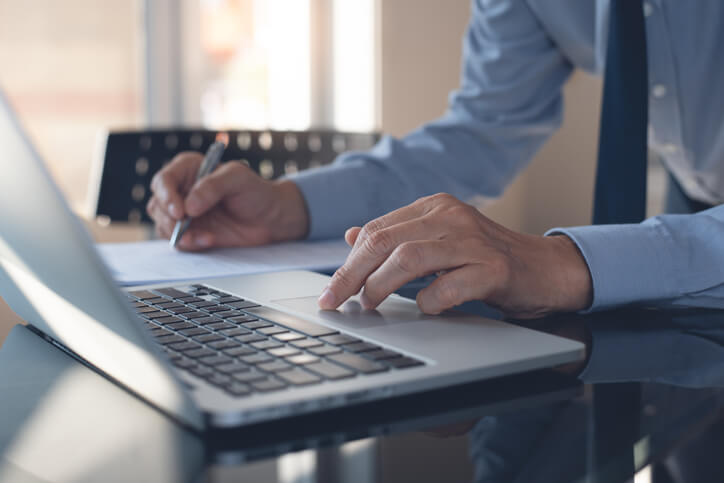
63, 422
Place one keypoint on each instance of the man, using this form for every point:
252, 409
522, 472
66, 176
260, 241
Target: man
517, 55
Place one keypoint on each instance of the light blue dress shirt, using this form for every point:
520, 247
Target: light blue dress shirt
517, 55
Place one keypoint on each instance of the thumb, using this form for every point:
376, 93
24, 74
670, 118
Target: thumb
226, 180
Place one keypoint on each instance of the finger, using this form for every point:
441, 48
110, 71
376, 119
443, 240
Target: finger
407, 262
452, 289
400, 215
229, 178
174, 180
350, 236
163, 221
195, 240
350, 277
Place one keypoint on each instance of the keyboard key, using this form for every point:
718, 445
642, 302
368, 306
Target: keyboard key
208, 319
157, 331
203, 303
167, 320
235, 331
224, 344
291, 322
232, 367
185, 346
249, 376
284, 351
170, 339
201, 371
266, 344
245, 304
237, 389
189, 299
302, 359
240, 319
180, 325
340, 339
361, 347
381, 354
146, 309
228, 313
330, 370
269, 384
257, 324
358, 363
215, 360
193, 331
217, 308
181, 310
308, 342
221, 326
156, 300
229, 299
170, 305
207, 338
298, 377
218, 379
275, 366
288, 336
258, 358
143, 294
248, 338
272, 330
172, 292
199, 353
239, 351
403, 362
325, 350
195, 315
156, 315
184, 363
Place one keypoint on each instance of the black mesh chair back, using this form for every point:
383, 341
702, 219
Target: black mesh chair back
131, 158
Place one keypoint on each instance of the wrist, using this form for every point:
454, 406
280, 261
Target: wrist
290, 220
576, 282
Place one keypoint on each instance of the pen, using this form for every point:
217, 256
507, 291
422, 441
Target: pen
211, 160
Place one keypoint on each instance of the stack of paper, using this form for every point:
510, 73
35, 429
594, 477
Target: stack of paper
155, 261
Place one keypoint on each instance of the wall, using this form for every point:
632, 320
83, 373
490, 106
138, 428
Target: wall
420, 65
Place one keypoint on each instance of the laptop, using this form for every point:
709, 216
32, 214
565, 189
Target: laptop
234, 351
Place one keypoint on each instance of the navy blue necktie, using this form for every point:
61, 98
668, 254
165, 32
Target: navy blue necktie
622, 146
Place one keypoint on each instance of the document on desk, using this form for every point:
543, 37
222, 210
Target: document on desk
156, 262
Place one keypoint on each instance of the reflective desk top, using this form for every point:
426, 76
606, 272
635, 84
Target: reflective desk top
649, 395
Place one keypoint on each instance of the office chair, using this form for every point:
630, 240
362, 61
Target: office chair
127, 161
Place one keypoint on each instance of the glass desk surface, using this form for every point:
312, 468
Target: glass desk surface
648, 396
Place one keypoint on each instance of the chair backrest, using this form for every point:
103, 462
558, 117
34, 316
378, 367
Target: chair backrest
128, 160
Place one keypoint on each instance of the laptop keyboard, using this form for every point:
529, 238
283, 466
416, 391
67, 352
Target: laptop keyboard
243, 347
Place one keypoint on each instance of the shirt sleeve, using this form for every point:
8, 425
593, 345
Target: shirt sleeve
668, 260
507, 106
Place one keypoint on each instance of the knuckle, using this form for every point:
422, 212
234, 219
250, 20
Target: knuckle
379, 242
408, 257
447, 293
343, 276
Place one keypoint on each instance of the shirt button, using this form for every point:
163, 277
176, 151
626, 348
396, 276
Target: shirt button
648, 9
658, 91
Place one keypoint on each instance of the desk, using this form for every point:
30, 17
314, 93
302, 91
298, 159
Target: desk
542, 426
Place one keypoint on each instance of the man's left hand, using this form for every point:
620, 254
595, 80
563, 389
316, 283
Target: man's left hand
525, 276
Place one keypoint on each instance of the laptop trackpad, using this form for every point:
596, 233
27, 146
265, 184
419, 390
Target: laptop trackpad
391, 311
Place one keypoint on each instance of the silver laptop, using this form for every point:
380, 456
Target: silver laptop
231, 351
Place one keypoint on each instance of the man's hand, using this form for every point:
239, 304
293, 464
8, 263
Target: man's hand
230, 207
525, 276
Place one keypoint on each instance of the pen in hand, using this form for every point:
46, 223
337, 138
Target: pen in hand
210, 162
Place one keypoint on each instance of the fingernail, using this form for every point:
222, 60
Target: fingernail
203, 241
327, 300
173, 209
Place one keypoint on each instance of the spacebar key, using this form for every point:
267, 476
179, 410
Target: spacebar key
295, 323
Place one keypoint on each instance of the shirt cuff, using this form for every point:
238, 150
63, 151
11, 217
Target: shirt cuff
628, 263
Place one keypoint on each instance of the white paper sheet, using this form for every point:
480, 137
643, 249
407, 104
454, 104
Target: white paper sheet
155, 261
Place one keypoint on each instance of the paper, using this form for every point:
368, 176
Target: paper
155, 261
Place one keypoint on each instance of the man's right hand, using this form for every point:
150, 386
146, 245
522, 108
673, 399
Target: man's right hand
230, 207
